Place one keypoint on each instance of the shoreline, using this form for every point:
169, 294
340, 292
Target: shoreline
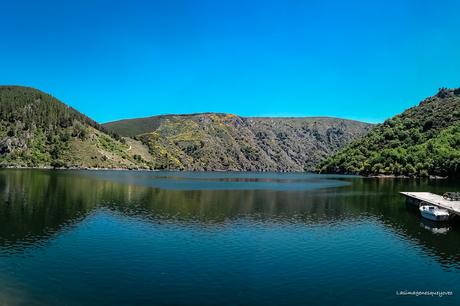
381, 176
76, 168
393, 176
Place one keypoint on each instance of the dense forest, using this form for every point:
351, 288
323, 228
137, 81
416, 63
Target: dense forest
37, 130
422, 141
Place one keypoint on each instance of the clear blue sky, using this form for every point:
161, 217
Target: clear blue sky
365, 60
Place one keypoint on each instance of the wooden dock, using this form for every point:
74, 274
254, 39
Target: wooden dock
433, 199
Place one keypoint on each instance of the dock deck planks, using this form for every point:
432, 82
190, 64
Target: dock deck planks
435, 199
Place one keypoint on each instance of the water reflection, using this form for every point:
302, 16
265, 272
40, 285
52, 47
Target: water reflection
434, 227
342, 223
381, 198
222, 180
35, 204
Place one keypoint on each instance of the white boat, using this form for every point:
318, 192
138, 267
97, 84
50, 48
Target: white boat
434, 213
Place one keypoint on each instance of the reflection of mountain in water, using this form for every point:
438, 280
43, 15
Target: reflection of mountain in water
36, 204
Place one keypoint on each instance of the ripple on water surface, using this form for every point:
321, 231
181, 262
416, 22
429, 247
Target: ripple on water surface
125, 238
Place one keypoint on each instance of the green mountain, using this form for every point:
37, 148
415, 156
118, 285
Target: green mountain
37, 130
424, 140
213, 141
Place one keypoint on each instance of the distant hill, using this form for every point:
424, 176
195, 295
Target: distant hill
37, 130
424, 140
215, 141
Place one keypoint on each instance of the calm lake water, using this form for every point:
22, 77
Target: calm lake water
159, 238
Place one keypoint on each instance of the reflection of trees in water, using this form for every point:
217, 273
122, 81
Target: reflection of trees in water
36, 204
405, 221
33, 200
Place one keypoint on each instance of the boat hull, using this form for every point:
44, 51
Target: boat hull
429, 216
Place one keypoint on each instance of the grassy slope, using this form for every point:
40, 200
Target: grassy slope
424, 140
227, 142
37, 130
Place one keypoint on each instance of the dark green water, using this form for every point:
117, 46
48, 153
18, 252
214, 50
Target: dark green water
140, 238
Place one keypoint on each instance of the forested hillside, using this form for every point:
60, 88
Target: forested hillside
37, 130
424, 140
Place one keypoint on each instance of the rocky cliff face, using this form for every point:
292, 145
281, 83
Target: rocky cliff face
228, 142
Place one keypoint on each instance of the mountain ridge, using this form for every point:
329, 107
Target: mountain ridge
38, 130
220, 141
112, 124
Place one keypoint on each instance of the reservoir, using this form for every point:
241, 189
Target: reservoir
70, 237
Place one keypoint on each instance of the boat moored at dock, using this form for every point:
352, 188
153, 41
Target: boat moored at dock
434, 213
442, 205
